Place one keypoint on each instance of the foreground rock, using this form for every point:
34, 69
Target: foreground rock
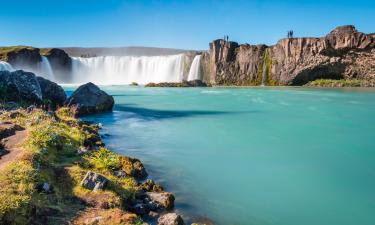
89, 99
170, 219
166, 199
344, 53
20, 86
52, 92
94, 181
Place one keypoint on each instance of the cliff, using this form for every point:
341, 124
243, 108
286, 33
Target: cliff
344, 53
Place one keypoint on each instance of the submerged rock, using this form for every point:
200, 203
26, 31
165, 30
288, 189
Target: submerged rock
89, 99
94, 181
52, 92
170, 219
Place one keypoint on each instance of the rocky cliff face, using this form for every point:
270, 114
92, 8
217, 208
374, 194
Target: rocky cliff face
343, 53
61, 64
27, 58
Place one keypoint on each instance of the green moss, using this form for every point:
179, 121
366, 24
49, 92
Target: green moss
335, 83
5, 50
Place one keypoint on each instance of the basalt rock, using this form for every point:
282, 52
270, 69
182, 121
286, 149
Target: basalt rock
89, 99
52, 92
61, 64
344, 53
27, 58
20, 86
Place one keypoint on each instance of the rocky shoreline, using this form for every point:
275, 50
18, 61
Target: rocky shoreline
65, 175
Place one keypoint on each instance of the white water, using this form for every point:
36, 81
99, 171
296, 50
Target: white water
5, 66
128, 69
194, 73
45, 69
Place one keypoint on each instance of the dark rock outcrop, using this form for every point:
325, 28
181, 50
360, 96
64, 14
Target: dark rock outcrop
27, 58
20, 86
61, 64
89, 99
52, 92
344, 53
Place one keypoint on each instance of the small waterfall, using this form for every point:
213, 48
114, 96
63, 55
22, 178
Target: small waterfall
5, 66
194, 72
128, 69
45, 69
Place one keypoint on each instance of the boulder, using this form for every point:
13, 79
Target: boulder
133, 167
166, 199
52, 92
20, 86
94, 181
89, 99
170, 219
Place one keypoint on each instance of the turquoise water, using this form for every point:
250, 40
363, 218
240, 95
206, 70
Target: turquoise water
256, 156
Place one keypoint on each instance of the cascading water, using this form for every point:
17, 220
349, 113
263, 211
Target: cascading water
5, 66
45, 69
128, 69
194, 73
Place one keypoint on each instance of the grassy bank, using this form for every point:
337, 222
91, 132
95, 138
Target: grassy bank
341, 83
51, 155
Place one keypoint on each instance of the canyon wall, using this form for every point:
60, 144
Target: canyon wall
344, 53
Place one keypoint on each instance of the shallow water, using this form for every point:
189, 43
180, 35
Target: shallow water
257, 156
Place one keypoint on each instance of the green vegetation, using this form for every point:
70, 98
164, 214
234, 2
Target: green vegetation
5, 50
335, 83
50, 155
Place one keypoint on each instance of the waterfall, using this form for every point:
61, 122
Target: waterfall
45, 69
5, 66
194, 73
128, 69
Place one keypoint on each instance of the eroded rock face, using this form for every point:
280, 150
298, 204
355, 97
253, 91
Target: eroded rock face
52, 92
61, 64
343, 53
89, 99
20, 85
170, 219
27, 58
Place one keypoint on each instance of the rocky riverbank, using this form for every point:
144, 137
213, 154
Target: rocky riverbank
62, 172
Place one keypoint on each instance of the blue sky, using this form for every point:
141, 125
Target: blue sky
189, 24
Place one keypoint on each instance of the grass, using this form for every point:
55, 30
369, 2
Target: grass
335, 83
5, 50
50, 155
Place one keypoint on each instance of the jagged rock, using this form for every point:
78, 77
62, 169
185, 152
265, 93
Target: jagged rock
89, 99
344, 53
52, 92
133, 167
166, 199
44, 187
170, 219
94, 181
149, 185
20, 86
